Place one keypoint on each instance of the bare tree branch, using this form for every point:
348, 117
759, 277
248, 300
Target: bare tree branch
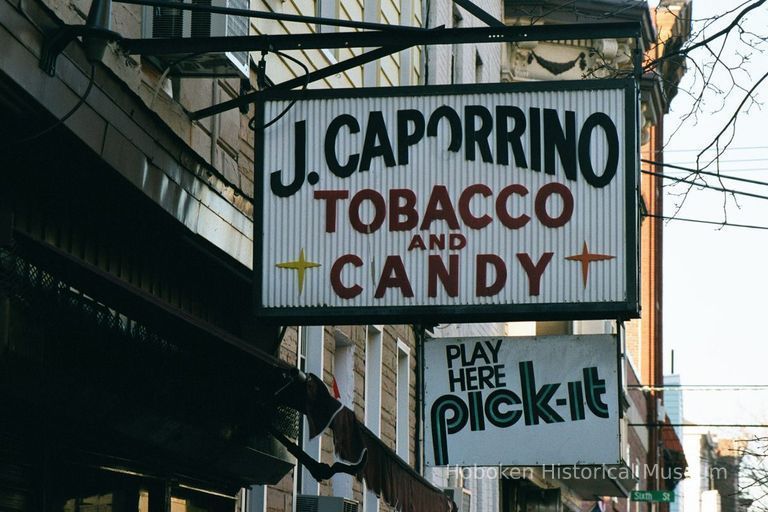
732, 119
721, 33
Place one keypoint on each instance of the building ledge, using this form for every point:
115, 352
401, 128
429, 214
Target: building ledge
115, 124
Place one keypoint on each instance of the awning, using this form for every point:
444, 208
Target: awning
673, 454
383, 471
162, 317
131, 382
589, 482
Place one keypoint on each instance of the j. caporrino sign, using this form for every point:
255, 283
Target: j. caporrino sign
492, 202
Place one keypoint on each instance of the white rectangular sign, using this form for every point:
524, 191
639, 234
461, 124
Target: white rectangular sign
478, 203
522, 401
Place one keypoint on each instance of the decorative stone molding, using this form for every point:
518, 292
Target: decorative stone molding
566, 60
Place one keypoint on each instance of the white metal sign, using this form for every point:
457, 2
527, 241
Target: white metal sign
487, 202
522, 401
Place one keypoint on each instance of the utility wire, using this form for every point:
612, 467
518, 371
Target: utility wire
699, 221
739, 148
705, 173
701, 387
704, 185
724, 425
63, 118
741, 169
721, 160
252, 122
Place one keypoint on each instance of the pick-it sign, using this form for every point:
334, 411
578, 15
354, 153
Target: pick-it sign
522, 401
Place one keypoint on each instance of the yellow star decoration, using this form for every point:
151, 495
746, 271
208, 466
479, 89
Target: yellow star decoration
300, 265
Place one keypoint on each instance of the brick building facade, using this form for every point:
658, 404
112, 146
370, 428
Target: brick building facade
123, 210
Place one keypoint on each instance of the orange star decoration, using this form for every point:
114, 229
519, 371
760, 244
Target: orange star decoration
300, 265
586, 258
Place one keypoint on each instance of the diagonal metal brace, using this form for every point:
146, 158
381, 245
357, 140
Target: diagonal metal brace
314, 76
389, 45
479, 13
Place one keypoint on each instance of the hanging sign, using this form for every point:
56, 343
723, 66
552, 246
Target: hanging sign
522, 401
472, 204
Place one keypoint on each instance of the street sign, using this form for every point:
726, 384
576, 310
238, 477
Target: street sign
653, 496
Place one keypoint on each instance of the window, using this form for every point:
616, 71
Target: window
456, 60
372, 397
373, 379
402, 436
310, 356
521, 495
344, 377
256, 500
327, 9
551, 328
371, 13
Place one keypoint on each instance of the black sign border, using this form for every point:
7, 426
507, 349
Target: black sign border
362, 315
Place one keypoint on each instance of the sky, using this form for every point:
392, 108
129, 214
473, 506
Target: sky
715, 277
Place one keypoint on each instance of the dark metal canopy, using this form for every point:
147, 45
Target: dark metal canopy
378, 38
386, 39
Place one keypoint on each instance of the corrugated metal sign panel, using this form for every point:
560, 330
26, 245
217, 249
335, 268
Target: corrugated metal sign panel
486, 202
522, 401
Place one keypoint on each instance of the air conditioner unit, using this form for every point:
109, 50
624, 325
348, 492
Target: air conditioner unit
461, 497
310, 503
164, 22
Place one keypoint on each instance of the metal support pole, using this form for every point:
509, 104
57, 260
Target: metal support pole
160, 497
99, 21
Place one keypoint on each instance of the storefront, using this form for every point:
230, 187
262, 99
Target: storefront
130, 377
132, 374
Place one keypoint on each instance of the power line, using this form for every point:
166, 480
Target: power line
723, 425
701, 387
704, 185
705, 173
62, 119
728, 160
740, 170
699, 221
739, 148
